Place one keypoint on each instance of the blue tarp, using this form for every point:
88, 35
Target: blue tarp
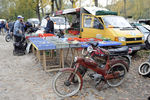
43, 44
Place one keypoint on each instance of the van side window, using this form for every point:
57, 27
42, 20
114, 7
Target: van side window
97, 23
87, 21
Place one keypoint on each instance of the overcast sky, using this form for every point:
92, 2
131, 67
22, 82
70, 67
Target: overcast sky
90, 2
86, 3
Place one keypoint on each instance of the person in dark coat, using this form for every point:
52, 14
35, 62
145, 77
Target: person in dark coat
2, 27
50, 26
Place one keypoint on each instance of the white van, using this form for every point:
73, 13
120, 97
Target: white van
59, 23
34, 21
3, 20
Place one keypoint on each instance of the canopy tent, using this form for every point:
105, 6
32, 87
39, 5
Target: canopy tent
89, 10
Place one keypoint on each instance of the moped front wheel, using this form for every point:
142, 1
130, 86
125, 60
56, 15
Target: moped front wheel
63, 84
117, 80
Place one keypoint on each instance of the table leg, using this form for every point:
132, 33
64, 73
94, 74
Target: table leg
33, 50
44, 60
38, 55
62, 57
73, 54
67, 54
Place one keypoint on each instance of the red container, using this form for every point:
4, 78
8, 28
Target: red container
74, 32
46, 35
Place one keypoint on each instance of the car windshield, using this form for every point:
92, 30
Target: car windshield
59, 21
142, 29
116, 21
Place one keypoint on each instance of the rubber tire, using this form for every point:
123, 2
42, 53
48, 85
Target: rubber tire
8, 38
148, 39
147, 45
68, 95
122, 79
145, 73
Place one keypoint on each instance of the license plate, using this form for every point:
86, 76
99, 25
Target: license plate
136, 48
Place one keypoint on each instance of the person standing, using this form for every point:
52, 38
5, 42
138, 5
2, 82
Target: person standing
2, 27
50, 26
18, 32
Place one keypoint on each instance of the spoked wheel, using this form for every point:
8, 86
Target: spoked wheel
63, 83
118, 79
8, 38
144, 69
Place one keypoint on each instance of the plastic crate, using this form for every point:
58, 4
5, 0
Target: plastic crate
75, 45
60, 45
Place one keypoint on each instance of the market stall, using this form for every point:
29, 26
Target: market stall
52, 52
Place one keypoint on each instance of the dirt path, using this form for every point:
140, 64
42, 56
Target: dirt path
22, 78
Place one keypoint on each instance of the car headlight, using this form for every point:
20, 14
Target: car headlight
122, 39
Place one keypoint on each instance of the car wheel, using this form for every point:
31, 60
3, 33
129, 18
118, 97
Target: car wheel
148, 39
147, 45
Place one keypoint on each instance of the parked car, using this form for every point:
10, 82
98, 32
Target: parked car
35, 21
145, 31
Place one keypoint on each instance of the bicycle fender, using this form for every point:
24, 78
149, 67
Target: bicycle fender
112, 62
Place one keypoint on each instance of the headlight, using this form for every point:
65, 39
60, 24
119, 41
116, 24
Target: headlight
75, 59
122, 39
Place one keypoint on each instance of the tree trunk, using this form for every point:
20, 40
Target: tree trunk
42, 9
38, 11
72, 1
58, 6
96, 3
125, 14
52, 7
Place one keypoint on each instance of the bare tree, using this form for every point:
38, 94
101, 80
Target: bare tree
42, 8
125, 8
58, 5
52, 6
96, 3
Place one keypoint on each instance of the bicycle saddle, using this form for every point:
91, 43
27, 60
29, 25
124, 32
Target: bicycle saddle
121, 50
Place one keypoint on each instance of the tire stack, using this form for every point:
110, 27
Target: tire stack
144, 69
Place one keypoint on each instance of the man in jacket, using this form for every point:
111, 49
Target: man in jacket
18, 27
50, 25
18, 34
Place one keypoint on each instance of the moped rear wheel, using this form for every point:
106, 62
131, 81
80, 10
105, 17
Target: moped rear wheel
117, 68
63, 84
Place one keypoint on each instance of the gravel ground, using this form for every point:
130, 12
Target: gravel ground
22, 78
